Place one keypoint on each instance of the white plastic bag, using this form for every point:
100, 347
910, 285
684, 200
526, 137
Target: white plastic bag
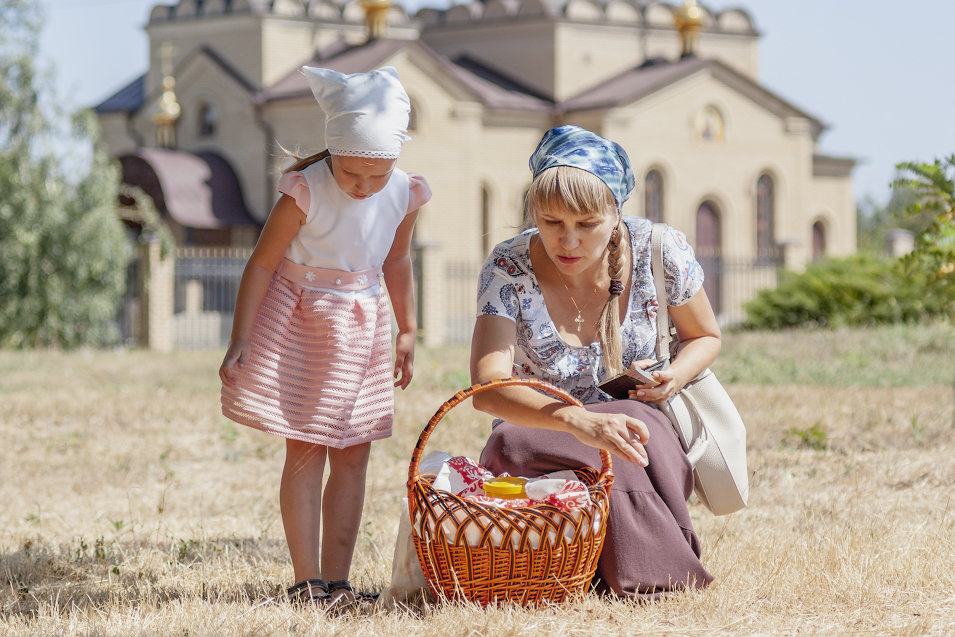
408, 583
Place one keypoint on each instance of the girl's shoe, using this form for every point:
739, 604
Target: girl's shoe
310, 592
349, 600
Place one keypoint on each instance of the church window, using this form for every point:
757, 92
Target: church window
653, 196
485, 221
413, 117
818, 240
765, 217
709, 251
207, 120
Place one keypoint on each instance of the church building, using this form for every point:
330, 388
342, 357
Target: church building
207, 127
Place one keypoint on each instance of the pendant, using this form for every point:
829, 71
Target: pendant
579, 321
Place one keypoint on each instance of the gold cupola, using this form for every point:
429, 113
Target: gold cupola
168, 110
688, 20
376, 17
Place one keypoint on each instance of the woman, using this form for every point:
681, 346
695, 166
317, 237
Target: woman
571, 302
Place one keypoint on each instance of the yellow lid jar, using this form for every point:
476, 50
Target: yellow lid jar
506, 488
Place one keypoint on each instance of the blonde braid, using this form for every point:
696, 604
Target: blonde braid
608, 326
304, 162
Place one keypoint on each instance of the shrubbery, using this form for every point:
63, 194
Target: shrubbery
866, 290
854, 291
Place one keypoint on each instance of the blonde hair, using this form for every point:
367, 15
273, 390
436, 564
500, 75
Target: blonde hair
301, 163
582, 193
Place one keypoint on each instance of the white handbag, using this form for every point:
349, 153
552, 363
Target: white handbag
702, 413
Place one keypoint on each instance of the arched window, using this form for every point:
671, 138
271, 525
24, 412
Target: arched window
765, 217
653, 196
485, 221
525, 216
207, 120
413, 117
818, 240
709, 243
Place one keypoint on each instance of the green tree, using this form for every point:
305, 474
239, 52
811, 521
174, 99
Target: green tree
874, 220
63, 250
934, 253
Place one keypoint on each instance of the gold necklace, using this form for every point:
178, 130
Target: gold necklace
580, 319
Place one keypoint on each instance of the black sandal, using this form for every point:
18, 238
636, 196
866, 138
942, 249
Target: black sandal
310, 591
361, 601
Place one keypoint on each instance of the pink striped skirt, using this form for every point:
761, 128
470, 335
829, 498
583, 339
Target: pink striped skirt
320, 369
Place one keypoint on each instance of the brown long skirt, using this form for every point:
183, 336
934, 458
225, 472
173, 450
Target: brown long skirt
650, 548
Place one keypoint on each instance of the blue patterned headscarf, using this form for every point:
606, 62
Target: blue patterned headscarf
577, 147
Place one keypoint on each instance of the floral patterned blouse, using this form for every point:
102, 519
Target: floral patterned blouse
509, 288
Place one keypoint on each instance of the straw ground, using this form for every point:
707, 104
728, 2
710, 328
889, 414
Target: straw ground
130, 506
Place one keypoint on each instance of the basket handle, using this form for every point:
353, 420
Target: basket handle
464, 394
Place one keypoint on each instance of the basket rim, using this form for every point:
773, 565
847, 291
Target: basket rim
606, 469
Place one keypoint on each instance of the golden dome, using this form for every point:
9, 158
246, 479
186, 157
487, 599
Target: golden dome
376, 16
688, 20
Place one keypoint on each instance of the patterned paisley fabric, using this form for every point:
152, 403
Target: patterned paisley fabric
509, 288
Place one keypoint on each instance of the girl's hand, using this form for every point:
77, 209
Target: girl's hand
404, 359
235, 356
619, 434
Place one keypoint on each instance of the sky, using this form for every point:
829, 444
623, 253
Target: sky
877, 73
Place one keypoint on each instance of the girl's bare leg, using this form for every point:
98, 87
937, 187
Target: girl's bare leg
300, 498
342, 507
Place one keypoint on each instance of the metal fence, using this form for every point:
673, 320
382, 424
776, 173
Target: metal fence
128, 316
460, 301
205, 282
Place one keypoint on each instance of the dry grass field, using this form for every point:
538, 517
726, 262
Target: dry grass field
130, 506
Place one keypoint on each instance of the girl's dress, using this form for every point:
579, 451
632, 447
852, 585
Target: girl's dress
651, 547
320, 365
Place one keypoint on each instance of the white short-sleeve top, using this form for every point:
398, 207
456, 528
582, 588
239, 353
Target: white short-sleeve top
341, 233
508, 287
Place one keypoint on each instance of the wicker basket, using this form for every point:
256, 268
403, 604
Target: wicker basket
485, 554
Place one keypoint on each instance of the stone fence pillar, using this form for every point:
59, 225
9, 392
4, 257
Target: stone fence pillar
157, 291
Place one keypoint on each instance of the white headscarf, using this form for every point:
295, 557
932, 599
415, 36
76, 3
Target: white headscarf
366, 114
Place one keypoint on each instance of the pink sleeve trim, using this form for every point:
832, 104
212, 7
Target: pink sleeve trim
420, 192
294, 185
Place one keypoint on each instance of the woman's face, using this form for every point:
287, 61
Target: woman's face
575, 243
361, 177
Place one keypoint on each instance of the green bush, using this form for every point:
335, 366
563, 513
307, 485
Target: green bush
853, 291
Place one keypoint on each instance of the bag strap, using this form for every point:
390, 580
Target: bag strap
697, 447
663, 315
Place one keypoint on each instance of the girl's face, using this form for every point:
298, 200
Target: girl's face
361, 177
575, 243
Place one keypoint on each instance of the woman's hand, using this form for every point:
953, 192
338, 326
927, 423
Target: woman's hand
619, 434
492, 356
669, 384
235, 356
700, 342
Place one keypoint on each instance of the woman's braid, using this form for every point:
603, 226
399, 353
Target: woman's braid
608, 327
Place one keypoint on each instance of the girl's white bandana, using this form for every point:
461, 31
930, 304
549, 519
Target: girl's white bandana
366, 114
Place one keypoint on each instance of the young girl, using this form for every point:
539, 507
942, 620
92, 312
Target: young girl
309, 358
